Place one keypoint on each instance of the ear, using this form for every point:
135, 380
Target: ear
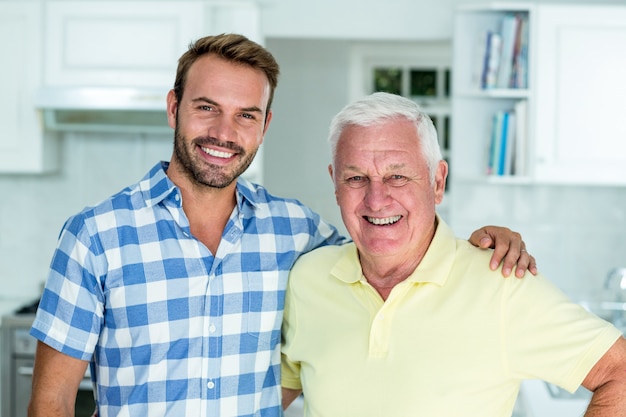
332, 178
172, 109
439, 186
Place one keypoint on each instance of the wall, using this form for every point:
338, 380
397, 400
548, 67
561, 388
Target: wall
313, 87
575, 232
34, 208
358, 19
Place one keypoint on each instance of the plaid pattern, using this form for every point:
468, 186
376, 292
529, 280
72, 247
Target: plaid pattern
170, 329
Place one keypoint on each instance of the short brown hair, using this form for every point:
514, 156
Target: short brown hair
231, 47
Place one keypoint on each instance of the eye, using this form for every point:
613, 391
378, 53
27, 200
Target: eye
396, 180
248, 116
206, 107
356, 181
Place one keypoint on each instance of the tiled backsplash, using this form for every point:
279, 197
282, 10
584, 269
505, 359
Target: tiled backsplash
577, 234
33, 208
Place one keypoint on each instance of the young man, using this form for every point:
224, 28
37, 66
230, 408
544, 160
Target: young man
173, 289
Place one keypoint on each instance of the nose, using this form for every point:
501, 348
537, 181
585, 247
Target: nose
377, 195
223, 128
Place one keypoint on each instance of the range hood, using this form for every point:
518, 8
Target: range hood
103, 109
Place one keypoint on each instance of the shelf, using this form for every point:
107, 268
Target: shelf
519, 93
496, 7
496, 180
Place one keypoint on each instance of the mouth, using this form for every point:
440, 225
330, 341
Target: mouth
382, 221
217, 154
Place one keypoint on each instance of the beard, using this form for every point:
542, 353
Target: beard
202, 173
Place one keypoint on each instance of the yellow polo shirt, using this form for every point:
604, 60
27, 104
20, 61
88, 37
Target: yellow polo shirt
454, 339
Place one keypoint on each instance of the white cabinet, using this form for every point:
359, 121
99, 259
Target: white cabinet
579, 93
574, 129
113, 43
133, 43
24, 148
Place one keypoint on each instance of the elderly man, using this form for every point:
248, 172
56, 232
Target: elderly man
408, 320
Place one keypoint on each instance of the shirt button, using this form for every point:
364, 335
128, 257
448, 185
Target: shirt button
210, 385
212, 328
177, 197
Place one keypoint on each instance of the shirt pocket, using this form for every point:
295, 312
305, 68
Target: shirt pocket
264, 302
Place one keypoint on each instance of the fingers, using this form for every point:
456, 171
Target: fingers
509, 252
520, 260
483, 237
522, 263
485, 242
532, 266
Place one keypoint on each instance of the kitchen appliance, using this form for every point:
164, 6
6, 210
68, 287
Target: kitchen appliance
104, 109
18, 358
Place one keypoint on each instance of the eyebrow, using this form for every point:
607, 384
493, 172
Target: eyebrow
358, 169
253, 109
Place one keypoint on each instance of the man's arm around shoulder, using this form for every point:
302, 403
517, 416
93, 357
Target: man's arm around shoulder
607, 380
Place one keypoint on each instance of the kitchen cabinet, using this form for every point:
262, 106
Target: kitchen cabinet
575, 85
24, 147
132, 43
579, 93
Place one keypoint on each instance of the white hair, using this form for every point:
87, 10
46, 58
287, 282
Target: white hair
381, 107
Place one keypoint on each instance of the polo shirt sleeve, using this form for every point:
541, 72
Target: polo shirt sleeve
549, 337
290, 369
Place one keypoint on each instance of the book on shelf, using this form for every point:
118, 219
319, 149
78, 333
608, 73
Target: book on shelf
495, 143
509, 33
508, 145
491, 59
521, 139
505, 54
507, 142
520, 65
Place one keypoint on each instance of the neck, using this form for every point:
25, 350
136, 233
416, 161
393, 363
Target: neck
385, 276
385, 272
207, 208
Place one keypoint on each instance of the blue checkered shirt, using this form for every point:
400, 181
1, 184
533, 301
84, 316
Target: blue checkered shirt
169, 328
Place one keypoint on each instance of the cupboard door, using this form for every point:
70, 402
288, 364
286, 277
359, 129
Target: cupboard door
23, 147
580, 89
115, 43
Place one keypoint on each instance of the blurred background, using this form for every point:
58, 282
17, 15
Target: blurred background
84, 83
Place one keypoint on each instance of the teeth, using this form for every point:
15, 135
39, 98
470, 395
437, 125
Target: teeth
217, 154
383, 220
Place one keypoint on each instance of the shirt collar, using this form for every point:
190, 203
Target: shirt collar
434, 268
156, 186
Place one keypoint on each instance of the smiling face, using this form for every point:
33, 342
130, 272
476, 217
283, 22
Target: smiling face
219, 123
384, 191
